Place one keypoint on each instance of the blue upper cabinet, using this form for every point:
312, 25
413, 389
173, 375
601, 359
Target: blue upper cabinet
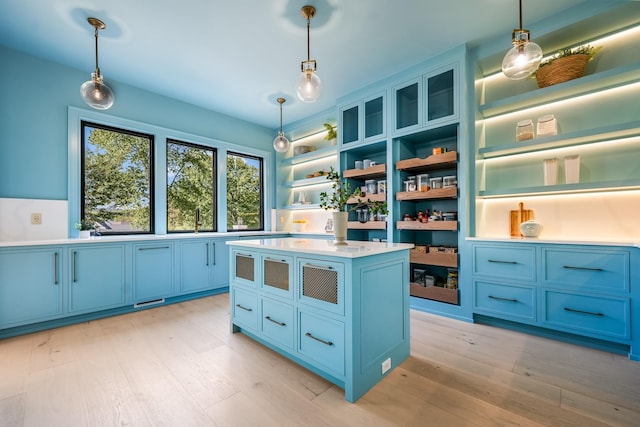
363, 120
426, 101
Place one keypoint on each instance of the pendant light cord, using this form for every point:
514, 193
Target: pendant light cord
520, 14
97, 67
309, 44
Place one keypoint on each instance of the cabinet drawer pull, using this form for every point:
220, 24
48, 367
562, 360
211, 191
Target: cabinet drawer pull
503, 299
499, 261
275, 321
308, 334
571, 267
153, 248
573, 310
243, 307
55, 268
320, 267
213, 245
244, 255
283, 261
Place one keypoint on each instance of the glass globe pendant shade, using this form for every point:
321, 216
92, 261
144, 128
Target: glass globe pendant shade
309, 86
522, 60
97, 94
281, 143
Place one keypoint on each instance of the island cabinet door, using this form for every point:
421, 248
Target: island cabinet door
321, 284
31, 284
277, 275
321, 341
244, 267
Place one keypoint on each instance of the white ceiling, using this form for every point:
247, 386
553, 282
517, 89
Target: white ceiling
238, 56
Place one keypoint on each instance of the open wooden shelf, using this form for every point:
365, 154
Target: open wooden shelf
433, 258
434, 193
427, 226
377, 171
378, 197
434, 162
369, 225
434, 292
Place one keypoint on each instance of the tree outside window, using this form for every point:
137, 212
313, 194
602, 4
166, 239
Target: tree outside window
244, 192
117, 180
190, 187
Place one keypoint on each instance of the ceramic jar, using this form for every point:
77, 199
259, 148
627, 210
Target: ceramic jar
531, 228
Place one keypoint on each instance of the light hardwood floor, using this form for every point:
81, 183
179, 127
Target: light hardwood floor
180, 366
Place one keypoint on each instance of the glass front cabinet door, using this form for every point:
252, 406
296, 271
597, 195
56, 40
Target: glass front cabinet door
363, 121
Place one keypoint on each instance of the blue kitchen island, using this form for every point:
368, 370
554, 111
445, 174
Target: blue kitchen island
339, 311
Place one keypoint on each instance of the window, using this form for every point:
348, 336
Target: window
191, 172
116, 179
244, 192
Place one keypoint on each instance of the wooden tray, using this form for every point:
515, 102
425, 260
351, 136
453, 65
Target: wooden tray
435, 293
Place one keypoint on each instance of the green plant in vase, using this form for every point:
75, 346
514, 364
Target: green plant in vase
336, 201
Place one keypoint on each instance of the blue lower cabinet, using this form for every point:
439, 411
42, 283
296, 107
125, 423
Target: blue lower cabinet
153, 271
31, 285
596, 316
507, 301
321, 341
96, 277
278, 322
244, 309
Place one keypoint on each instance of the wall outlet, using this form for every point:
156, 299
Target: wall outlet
386, 365
36, 218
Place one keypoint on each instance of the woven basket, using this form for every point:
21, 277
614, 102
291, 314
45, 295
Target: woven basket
562, 70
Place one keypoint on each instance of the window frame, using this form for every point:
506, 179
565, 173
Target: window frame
214, 183
262, 189
151, 188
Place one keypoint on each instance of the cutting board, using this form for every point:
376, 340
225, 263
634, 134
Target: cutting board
517, 217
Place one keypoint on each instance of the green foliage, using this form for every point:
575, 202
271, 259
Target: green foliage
243, 192
84, 225
332, 131
588, 50
340, 193
375, 207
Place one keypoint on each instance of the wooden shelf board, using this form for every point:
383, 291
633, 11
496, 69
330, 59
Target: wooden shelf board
433, 258
376, 171
434, 292
589, 136
434, 193
427, 226
433, 162
370, 225
378, 197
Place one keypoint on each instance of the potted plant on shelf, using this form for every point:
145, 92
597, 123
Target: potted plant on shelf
567, 64
336, 200
332, 133
371, 210
85, 228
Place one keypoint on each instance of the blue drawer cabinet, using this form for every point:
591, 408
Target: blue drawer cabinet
278, 322
579, 289
321, 284
277, 274
592, 315
507, 301
591, 270
244, 268
244, 309
321, 342
505, 261
97, 277
31, 285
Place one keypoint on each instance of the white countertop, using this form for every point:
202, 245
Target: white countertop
353, 248
630, 242
142, 238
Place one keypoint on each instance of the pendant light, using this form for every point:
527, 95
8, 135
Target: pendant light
309, 84
94, 92
524, 57
281, 143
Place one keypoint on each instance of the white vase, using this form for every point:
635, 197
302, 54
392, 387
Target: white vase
531, 228
85, 234
340, 220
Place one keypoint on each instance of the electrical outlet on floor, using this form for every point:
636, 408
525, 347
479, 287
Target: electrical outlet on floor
386, 365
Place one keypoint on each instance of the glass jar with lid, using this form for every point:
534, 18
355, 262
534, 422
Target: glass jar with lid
524, 130
547, 125
423, 182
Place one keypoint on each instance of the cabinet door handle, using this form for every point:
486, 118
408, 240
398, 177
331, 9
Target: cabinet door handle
207, 245
243, 307
282, 261
275, 321
75, 263
499, 261
308, 334
571, 267
592, 313
503, 299
153, 248
214, 252
55, 268
244, 255
321, 267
